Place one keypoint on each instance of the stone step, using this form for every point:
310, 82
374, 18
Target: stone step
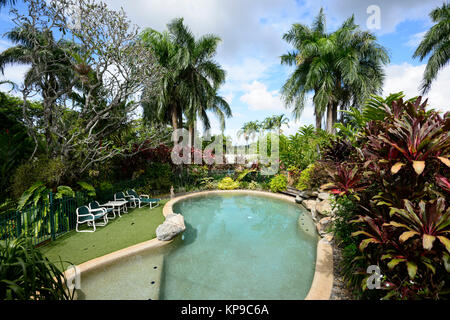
293, 190
292, 194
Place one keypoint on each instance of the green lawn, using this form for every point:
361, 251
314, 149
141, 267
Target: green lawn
136, 226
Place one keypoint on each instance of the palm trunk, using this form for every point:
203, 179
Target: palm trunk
191, 135
174, 116
318, 122
335, 108
330, 118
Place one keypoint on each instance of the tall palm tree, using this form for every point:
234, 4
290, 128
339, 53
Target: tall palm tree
166, 106
201, 78
341, 68
437, 42
306, 40
191, 79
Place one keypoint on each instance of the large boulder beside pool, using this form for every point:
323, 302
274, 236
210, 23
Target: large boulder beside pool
173, 225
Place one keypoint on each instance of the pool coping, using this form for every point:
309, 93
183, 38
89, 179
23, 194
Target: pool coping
323, 276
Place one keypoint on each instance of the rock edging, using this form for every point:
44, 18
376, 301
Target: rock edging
319, 205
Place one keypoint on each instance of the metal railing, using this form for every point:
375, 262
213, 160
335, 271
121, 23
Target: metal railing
44, 221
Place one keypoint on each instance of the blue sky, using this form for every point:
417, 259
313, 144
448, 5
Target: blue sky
251, 32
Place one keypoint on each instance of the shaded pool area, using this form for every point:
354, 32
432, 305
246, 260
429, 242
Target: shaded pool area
236, 246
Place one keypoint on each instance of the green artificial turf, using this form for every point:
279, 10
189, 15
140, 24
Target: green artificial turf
138, 225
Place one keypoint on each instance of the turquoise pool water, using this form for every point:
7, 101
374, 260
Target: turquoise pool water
239, 246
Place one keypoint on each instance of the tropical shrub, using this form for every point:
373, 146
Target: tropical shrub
346, 180
353, 264
304, 181
49, 171
319, 176
25, 274
338, 150
293, 175
355, 119
208, 183
402, 223
228, 183
301, 149
158, 176
245, 175
253, 185
197, 173
278, 183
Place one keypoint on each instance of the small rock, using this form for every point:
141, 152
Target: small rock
310, 193
298, 199
325, 221
324, 207
304, 194
321, 229
324, 196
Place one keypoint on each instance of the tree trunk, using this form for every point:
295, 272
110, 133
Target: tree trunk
191, 134
335, 108
318, 121
174, 116
330, 118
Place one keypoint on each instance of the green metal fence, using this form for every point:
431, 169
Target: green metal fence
44, 221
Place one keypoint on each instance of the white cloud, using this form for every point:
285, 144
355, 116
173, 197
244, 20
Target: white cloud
14, 73
392, 13
407, 78
257, 97
238, 23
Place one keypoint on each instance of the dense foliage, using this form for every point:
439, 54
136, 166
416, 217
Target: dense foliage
278, 183
25, 274
396, 179
302, 149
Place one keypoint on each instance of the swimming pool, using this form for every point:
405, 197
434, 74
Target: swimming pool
236, 245
239, 246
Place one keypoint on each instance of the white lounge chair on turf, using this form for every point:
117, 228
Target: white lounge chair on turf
85, 215
94, 205
142, 199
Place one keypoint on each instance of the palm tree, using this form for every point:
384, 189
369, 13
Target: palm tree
437, 42
191, 79
275, 122
166, 106
201, 78
249, 130
305, 40
341, 68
